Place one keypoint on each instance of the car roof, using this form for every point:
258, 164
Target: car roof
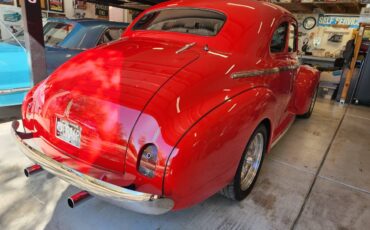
251, 20
87, 22
94, 28
227, 6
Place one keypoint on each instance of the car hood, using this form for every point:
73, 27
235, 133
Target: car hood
9, 47
104, 91
14, 70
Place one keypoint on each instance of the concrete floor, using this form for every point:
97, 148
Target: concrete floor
317, 177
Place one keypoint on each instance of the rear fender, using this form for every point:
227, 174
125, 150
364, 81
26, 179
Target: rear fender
206, 158
305, 84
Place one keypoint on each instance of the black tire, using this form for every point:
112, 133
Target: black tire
234, 189
312, 106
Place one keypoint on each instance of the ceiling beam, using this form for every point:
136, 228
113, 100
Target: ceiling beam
149, 2
137, 5
121, 4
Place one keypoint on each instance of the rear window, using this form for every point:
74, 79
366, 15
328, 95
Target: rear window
191, 21
56, 32
110, 35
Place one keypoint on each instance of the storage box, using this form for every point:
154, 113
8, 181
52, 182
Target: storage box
318, 52
330, 76
327, 90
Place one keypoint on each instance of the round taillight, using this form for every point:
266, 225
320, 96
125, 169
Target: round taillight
148, 160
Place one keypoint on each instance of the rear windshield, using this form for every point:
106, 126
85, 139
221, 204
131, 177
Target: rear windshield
56, 32
190, 21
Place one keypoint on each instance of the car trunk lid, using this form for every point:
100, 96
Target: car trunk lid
102, 93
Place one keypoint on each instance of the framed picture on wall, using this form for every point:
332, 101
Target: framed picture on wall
101, 10
43, 4
56, 5
7, 2
80, 4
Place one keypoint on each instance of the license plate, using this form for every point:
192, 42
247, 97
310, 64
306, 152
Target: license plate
68, 132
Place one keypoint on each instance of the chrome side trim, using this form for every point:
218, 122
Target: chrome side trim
123, 197
253, 73
186, 47
283, 134
16, 90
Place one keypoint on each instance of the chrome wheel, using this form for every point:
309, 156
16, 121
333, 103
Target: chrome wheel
252, 161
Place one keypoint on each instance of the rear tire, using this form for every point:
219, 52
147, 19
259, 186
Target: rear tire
312, 106
249, 166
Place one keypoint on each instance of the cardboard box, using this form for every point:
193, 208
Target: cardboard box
330, 76
327, 90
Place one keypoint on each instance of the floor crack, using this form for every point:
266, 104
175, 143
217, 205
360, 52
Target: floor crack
318, 171
346, 185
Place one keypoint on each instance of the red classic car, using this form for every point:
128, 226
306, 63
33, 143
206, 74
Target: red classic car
185, 105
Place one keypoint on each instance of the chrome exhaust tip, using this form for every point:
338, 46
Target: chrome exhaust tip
78, 198
32, 170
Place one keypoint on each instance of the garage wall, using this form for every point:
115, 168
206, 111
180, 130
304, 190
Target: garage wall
68, 8
69, 11
115, 14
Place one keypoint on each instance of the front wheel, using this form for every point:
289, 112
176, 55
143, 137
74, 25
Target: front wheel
249, 166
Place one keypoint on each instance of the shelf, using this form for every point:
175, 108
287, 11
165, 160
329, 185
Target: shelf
310, 57
351, 7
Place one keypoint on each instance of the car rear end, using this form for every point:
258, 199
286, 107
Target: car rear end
77, 123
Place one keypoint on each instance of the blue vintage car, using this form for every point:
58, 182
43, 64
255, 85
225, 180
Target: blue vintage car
64, 38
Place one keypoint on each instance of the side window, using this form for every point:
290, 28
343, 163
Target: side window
110, 35
279, 38
292, 45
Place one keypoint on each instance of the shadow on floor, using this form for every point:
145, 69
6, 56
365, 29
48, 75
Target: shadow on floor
102, 215
9, 113
273, 202
25, 205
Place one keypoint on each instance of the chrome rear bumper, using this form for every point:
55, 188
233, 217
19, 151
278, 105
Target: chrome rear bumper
126, 198
15, 90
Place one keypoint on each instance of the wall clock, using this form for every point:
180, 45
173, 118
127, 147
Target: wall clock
309, 23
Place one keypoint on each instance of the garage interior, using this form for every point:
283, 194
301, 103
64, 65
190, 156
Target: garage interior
316, 177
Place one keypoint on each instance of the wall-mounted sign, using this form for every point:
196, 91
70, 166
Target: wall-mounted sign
11, 21
56, 5
7, 2
332, 20
101, 10
80, 4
